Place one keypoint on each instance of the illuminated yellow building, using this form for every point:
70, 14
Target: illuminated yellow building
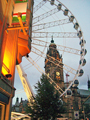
15, 42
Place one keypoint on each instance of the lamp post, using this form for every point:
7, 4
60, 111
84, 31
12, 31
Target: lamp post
83, 112
72, 112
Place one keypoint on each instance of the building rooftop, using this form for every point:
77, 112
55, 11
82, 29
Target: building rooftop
83, 93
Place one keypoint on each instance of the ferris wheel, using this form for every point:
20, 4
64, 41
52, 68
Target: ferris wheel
53, 18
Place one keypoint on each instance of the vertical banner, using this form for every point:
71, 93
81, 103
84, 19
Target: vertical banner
76, 114
20, 7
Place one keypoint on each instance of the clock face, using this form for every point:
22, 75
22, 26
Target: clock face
48, 74
57, 73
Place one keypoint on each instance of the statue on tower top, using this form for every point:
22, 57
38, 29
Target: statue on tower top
52, 41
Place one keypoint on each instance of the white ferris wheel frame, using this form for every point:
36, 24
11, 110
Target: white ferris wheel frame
42, 43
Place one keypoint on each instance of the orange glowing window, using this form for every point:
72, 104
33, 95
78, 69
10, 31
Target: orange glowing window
4, 68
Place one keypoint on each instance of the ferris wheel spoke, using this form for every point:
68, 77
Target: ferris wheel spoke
39, 6
53, 60
59, 47
45, 15
50, 24
55, 34
41, 71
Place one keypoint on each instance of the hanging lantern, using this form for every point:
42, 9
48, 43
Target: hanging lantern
83, 52
81, 73
82, 42
76, 82
66, 12
59, 6
68, 93
83, 62
52, 2
71, 18
76, 25
79, 34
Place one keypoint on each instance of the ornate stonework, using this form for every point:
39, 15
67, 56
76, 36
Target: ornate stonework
73, 103
52, 58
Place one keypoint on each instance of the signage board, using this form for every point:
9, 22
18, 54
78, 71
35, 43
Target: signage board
20, 7
76, 114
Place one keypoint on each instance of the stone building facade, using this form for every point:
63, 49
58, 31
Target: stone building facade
74, 102
6, 70
14, 44
20, 106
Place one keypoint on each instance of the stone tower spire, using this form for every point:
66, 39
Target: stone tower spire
52, 41
54, 71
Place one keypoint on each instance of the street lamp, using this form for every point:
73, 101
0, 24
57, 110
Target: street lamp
83, 112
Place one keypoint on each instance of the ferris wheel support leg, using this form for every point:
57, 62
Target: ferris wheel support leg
25, 82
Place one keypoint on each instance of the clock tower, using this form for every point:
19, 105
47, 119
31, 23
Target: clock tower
54, 65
